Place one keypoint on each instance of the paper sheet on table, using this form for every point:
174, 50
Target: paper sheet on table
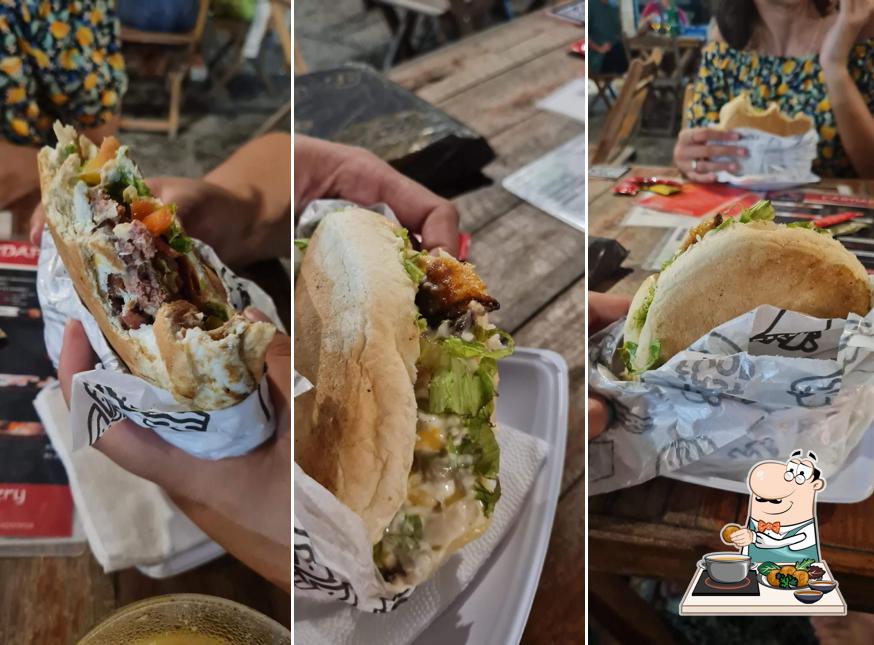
555, 183
767, 382
568, 100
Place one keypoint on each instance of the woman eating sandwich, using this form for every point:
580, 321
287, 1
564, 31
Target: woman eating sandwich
809, 57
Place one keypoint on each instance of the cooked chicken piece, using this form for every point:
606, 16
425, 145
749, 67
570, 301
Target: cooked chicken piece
448, 288
697, 232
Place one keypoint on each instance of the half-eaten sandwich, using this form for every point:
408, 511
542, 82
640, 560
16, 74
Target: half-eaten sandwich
162, 308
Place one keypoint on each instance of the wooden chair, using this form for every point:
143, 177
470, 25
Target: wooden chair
623, 119
604, 82
179, 47
279, 24
404, 16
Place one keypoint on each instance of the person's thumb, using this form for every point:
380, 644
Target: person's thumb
76, 356
278, 359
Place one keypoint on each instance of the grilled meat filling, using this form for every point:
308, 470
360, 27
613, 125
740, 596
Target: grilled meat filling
447, 289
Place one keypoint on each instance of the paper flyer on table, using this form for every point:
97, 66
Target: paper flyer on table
109, 392
569, 100
763, 383
555, 183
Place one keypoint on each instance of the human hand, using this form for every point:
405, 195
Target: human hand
742, 538
325, 170
853, 15
697, 148
243, 503
764, 541
603, 309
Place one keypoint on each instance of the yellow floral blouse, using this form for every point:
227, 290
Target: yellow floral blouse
795, 83
59, 59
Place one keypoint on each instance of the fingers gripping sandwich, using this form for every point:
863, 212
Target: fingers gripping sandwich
400, 423
727, 267
163, 310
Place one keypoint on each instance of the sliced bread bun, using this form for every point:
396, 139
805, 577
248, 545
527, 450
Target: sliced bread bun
204, 370
740, 113
733, 269
357, 340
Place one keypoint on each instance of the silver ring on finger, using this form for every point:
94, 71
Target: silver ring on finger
694, 165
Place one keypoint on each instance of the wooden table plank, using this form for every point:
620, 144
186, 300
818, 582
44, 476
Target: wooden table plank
438, 76
527, 258
560, 328
504, 101
514, 148
624, 531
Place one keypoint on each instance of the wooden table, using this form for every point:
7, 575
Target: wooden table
659, 529
532, 262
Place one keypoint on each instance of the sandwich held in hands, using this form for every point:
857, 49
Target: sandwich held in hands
727, 267
400, 424
163, 310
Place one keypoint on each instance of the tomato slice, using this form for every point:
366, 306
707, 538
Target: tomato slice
158, 221
139, 208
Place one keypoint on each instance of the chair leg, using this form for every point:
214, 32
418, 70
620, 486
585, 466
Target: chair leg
400, 43
176, 78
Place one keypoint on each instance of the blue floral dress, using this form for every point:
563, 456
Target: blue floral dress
59, 59
795, 83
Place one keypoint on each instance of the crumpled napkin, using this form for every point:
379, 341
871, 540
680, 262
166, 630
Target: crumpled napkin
329, 621
128, 521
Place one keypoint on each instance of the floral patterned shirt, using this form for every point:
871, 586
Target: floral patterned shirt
59, 59
795, 83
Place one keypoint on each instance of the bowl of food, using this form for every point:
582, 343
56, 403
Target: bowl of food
822, 585
187, 619
808, 596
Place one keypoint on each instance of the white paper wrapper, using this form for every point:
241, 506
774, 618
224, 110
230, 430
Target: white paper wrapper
759, 386
108, 393
773, 162
333, 557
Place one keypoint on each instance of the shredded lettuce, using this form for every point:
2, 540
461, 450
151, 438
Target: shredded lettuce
629, 350
761, 211
409, 259
480, 443
639, 316
476, 348
809, 226
177, 240
301, 243
487, 497
457, 390
403, 534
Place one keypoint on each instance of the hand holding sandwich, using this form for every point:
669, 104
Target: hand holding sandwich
243, 503
325, 170
603, 309
697, 150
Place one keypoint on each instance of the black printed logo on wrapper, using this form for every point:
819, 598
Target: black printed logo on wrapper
601, 459
311, 576
631, 422
108, 407
681, 452
700, 385
801, 341
758, 450
816, 391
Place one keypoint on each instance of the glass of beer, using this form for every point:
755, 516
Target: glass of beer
187, 619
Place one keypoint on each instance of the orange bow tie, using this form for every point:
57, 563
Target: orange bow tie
764, 526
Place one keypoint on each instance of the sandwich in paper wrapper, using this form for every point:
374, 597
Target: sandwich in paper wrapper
756, 338
160, 309
781, 148
397, 454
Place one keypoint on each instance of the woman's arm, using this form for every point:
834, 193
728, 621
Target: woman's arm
852, 114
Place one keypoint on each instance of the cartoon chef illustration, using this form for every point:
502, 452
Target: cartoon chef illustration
782, 520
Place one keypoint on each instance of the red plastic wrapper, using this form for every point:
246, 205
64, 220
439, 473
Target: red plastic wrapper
837, 218
463, 245
633, 185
